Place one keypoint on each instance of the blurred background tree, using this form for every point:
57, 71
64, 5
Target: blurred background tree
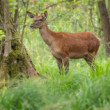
105, 18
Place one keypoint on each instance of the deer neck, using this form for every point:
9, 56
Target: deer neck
46, 34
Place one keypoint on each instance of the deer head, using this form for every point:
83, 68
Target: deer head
39, 21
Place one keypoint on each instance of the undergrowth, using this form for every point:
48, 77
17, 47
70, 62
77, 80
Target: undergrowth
81, 89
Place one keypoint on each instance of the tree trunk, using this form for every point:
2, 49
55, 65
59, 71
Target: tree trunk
12, 61
7, 28
105, 25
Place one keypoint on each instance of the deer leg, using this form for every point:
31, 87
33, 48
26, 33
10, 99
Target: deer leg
90, 60
66, 64
59, 63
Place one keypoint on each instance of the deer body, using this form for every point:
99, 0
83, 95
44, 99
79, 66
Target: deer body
64, 46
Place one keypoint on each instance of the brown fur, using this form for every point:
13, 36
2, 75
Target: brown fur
65, 46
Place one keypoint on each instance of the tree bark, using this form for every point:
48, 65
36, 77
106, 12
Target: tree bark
7, 28
105, 25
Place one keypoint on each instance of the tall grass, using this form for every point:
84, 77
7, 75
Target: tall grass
79, 90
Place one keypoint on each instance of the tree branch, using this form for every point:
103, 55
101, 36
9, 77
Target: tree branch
24, 26
16, 15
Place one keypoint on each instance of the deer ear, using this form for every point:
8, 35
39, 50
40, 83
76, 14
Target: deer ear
45, 14
30, 14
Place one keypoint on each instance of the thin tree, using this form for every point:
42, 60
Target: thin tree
104, 16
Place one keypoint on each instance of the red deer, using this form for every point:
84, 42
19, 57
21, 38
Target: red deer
64, 46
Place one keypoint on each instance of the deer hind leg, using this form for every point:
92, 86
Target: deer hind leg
91, 57
65, 62
90, 60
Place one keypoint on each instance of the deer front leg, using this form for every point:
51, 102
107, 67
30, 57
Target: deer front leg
65, 61
59, 63
61, 60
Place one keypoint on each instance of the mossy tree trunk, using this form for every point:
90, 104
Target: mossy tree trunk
12, 61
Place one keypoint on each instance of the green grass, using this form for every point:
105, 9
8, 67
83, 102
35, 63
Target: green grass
81, 89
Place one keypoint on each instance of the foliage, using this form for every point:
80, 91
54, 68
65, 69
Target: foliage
25, 97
